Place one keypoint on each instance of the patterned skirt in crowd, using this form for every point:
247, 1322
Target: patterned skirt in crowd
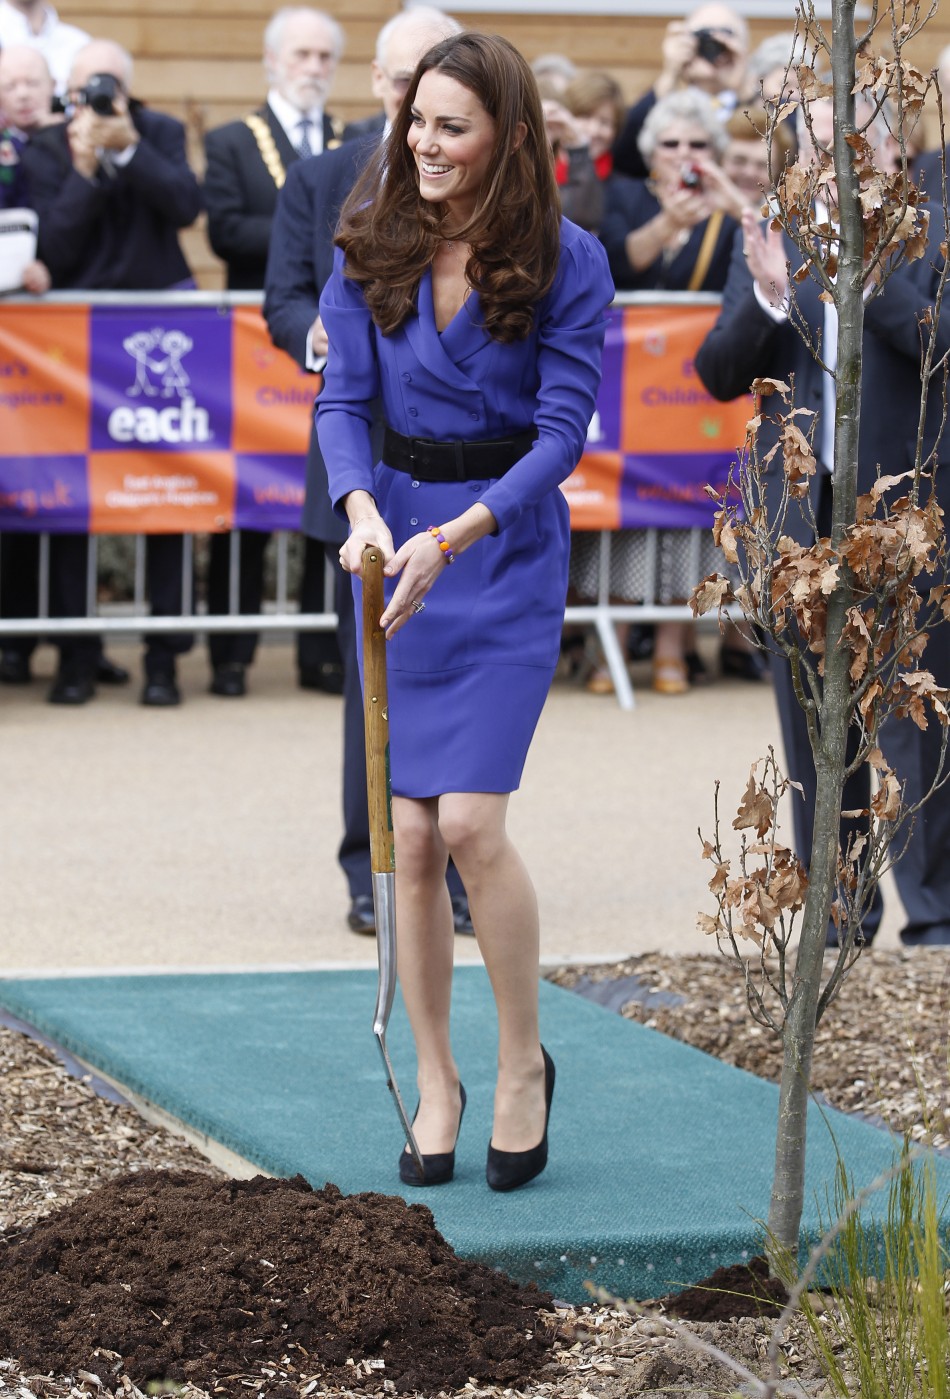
648, 566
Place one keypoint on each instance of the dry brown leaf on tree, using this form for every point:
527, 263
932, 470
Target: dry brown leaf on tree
923, 686
811, 86
765, 386
725, 536
756, 808
886, 802
886, 483
713, 592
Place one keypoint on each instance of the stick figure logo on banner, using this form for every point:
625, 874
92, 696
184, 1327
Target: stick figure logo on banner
172, 346
159, 373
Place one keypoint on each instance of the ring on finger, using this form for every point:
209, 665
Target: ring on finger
417, 606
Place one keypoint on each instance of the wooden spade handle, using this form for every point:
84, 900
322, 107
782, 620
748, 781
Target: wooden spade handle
376, 716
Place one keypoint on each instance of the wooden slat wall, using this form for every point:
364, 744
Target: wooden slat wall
205, 67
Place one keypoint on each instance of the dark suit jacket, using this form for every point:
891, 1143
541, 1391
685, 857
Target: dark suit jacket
627, 157
118, 231
366, 126
241, 196
299, 265
745, 342
930, 175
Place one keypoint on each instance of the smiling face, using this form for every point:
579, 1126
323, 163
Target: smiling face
452, 139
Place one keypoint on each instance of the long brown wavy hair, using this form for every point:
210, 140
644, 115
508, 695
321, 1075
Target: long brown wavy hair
390, 234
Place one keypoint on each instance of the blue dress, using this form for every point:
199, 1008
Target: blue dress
468, 677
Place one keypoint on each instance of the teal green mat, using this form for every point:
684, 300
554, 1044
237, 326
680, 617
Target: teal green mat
661, 1156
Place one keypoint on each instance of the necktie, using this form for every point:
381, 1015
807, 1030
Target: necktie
303, 146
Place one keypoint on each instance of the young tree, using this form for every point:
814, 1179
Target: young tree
848, 610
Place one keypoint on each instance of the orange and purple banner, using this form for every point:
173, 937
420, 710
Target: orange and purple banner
167, 417
658, 437
148, 418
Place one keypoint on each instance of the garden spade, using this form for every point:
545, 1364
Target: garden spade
379, 793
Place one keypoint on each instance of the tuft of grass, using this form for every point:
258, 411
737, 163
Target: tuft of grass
886, 1336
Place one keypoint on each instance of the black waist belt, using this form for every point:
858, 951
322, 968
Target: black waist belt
454, 461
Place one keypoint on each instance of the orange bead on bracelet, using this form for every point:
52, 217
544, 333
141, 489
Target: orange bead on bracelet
443, 543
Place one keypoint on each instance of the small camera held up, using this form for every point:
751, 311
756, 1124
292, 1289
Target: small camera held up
691, 177
710, 48
100, 93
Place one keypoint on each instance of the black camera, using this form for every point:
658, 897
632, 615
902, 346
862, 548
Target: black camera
691, 177
710, 48
100, 93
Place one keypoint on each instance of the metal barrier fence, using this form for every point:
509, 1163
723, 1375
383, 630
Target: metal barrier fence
280, 614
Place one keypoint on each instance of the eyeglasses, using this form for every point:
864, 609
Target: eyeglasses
670, 145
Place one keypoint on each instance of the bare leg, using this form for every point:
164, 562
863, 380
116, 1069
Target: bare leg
426, 936
505, 915
670, 674
670, 641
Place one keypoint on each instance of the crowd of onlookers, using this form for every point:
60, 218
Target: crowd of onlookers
674, 185
663, 182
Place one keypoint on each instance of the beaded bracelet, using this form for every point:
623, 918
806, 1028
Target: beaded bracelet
443, 543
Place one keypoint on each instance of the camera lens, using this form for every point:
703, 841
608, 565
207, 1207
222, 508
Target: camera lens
99, 94
709, 47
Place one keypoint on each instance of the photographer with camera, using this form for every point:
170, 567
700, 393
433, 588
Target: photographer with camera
112, 185
112, 188
707, 50
671, 232
674, 230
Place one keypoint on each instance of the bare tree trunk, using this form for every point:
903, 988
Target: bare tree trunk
788, 1185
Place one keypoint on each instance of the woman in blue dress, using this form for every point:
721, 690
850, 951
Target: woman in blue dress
476, 315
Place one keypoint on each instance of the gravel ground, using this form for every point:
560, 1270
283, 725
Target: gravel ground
882, 1051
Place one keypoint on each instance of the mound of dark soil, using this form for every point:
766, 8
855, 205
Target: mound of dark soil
190, 1278
744, 1289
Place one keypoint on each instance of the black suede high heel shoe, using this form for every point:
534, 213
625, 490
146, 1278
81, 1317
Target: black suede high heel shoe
438, 1167
506, 1170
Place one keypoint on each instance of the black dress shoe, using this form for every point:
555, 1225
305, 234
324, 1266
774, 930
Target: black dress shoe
461, 916
69, 688
640, 639
362, 915
438, 1167
861, 939
506, 1170
933, 935
108, 673
327, 677
14, 668
696, 670
161, 691
229, 679
743, 665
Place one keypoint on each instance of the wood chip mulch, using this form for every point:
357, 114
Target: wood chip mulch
882, 1051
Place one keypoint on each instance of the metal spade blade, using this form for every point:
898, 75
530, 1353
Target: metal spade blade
379, 795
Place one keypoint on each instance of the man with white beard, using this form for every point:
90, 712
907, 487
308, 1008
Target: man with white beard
247, 163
